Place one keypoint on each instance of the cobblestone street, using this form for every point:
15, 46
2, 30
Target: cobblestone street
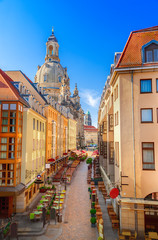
76, 216
76, 225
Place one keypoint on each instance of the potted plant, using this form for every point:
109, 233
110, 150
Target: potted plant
93, 212
93, 221
93, 204
89, 189
48, 214
89, 161
43, 189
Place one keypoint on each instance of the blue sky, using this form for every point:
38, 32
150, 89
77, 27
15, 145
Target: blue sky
88, 32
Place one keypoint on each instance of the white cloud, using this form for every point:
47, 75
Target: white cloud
90, 97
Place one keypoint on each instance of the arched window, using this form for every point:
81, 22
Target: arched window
150, 52
50, 52
45, 77
59, 78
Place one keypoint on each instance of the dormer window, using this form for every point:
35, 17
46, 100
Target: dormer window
150, 52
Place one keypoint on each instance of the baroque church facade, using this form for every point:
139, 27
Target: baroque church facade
54, 79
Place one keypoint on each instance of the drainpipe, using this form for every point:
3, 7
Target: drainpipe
134, 169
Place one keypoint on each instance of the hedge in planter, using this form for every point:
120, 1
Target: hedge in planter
89, 161
93, 204
93, 212
43, 189
93, 221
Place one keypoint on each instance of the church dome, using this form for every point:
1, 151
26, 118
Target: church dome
50, 72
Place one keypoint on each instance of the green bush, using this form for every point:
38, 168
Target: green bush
93, 211
48, 212
93, 204
89, 161
71, 158
93, 220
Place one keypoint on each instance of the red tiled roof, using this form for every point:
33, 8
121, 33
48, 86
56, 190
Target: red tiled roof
8, 80
132, 53
90, 128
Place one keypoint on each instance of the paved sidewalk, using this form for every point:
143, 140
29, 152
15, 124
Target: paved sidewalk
109, 232
76, 225
76, 216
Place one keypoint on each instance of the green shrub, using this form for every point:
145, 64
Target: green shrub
93, 211
93, 220
48, 212
89, 161
93, 204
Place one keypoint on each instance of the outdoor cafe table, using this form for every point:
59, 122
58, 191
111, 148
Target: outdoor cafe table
56, 207
57, 202
38, 212
48, 195
59, 196
45, 200
126, 233
41, 205
153, 235
50, 191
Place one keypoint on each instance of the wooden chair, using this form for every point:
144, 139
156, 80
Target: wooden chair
133, 236
121, 237
32, 216
115, 223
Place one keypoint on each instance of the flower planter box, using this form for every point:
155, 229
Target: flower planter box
43, 190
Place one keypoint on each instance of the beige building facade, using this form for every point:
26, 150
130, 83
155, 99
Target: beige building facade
91, 135
133, 87
72, 124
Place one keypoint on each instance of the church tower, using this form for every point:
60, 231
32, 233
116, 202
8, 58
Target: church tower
88, 119
75, 97
52, 48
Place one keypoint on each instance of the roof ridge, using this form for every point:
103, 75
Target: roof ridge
124, 49
146, 29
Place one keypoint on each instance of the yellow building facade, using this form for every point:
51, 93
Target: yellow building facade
45, 143
72, 124
33, 156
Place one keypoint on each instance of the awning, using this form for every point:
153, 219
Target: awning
51, 160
